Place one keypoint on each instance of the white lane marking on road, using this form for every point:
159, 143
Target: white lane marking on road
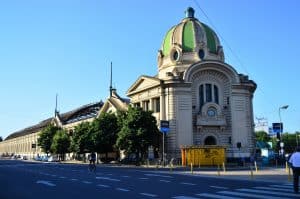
275, 189
268, 192
291, 184
281, 186
187, 183
106, 178
74, 179
45, 183
103, 185
165, 181
149, 194
157, 175
143, 178
184, 197
121, 189
248, 195
86, 182
209, 195
218, 187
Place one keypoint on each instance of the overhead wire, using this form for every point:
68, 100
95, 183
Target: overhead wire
225, 42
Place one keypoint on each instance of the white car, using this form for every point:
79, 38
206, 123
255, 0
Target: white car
53, 159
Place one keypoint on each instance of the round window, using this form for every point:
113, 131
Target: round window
211, 112
201, 53
175, 55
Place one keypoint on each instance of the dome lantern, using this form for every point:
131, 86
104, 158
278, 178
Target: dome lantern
189, 13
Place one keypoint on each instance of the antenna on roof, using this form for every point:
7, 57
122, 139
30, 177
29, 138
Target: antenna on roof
110, 87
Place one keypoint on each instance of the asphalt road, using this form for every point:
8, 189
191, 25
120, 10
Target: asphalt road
25, 180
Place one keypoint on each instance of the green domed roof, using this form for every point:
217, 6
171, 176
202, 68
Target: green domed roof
190, 34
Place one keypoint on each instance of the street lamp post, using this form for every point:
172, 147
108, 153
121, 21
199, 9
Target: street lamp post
281, 128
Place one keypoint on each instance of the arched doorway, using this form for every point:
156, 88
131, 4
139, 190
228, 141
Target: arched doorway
210, 140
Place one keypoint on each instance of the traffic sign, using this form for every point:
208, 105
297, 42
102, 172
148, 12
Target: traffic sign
277, 127
164, 126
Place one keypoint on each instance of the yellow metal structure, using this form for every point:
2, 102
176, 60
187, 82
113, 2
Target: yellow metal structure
203, 155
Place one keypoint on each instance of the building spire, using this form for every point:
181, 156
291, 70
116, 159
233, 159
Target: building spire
55, 111
110, 86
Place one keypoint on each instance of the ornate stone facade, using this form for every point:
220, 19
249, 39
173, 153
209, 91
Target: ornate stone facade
204, 99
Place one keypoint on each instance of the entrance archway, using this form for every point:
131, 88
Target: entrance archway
210, 140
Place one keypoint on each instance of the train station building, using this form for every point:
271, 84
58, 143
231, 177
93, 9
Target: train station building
206, 101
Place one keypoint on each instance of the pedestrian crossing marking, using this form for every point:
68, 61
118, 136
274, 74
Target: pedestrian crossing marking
281, 186
268, 192
275, 189
209, 195
184, 197
248, 195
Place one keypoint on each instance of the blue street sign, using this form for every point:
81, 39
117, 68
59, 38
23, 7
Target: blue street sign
277, 127
164, 126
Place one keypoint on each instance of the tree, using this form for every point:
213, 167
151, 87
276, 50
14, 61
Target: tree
105, 130
1, 139
290, 142
81, 141
262, 136
138, 132
46, 136
61, 143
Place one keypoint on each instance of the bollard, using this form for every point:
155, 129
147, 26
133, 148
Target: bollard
251, 173
289, 176
171, 167
224, 169
156, 167
276, 163
255, 166
219, 170
286, 167
192, 168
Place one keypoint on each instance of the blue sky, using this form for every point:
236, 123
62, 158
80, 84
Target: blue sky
65, 47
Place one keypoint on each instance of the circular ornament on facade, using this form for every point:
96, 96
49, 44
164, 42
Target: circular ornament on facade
175, 55
211, 112
201, 53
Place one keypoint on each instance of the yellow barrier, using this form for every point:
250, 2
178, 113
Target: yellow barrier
207, 155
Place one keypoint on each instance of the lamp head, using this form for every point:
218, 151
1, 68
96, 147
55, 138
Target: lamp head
284, 107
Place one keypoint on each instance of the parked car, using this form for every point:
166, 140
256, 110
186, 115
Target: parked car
53, 159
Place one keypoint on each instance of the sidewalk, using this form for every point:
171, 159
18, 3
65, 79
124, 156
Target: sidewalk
269, 174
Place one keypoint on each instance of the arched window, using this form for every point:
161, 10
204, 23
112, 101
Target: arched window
210, 140
208, 93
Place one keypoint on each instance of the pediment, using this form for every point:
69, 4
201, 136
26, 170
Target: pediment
108, 107
113, 104
143, 83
